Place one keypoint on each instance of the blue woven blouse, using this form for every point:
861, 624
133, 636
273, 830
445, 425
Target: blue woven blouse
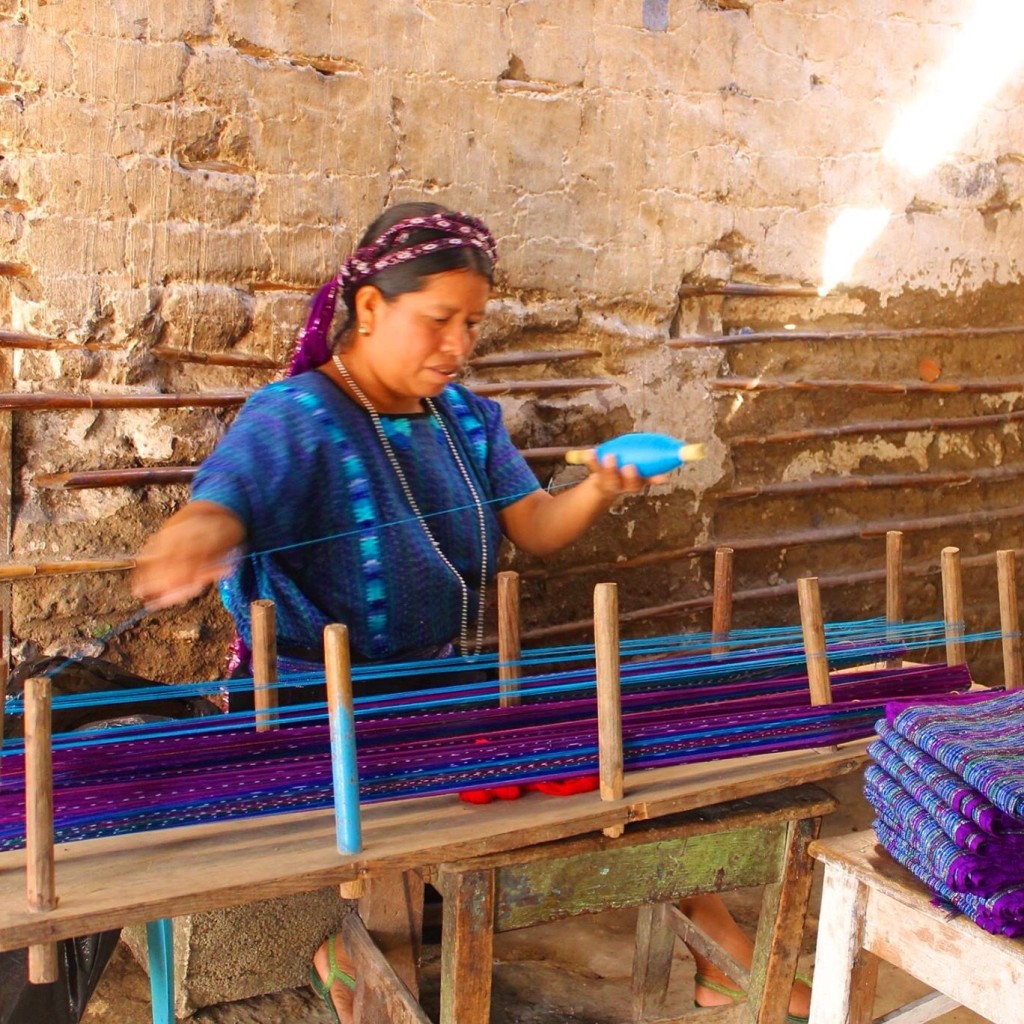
330, 536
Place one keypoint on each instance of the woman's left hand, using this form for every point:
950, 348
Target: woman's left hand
614, 479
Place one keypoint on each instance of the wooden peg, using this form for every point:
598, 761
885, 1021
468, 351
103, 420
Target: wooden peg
509, 643
1009, 619
815, 651
264, 663
341, 713
893, 589
40, 875
721, 602
609, 696
953, 607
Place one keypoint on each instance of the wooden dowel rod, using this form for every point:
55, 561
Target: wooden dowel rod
873, 481
880, 427
150, 476
509, 643
37, 401
721, 603
130, 476
1009, 619
743, 288
609, 696
40, 873
25, 570
264, 663
881, 334
953, 606
751, 594
531, 358
894, 586
777, 541
246, 360
340, 710
813, 628
977, 386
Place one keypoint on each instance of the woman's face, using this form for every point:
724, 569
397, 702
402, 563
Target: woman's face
419, 342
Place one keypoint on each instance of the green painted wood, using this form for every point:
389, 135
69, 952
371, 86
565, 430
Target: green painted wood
627, 875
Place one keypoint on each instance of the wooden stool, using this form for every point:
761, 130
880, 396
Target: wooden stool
871, 909
753, 842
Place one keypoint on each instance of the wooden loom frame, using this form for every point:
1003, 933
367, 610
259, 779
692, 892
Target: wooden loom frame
112, 882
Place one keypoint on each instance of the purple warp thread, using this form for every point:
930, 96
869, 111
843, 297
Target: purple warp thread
128, 786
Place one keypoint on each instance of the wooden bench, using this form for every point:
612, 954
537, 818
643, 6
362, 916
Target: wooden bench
871, 910
759, 841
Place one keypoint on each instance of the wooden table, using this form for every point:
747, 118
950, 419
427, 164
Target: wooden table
873, 909
759, 841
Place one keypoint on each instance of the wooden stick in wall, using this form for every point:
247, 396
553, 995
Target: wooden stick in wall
894, 587
1009, 619
509, 642
813, 628
953, 606
721, 602
609, 696
264, 663
40, 877
344, 771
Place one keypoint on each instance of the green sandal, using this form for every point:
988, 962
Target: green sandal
737, 995
322, 986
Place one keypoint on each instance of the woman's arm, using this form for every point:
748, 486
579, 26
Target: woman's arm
189, 552
543, 523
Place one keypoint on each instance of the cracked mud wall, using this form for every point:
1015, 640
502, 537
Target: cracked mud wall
181, 177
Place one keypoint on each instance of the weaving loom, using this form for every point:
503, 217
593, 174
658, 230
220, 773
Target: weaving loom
677, 704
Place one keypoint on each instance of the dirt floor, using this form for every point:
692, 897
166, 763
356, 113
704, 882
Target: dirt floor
571, 971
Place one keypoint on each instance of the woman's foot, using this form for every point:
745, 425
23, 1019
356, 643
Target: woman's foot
711, 986
332, 978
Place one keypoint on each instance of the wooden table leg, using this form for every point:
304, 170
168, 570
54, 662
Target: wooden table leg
781, 926
391, 907
467, 947
652, 960
844, 979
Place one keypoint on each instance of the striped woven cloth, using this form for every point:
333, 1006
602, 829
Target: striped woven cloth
947, 786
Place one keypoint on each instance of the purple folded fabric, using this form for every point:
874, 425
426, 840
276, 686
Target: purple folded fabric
961, 871
981, 740
1000, 914
950, 788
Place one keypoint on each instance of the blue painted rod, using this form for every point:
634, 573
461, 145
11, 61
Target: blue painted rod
344, 772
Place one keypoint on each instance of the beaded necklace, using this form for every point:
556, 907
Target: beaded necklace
478, 505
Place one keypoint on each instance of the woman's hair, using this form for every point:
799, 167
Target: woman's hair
405, 245
410, 276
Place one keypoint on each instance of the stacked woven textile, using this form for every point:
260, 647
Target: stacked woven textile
947, 785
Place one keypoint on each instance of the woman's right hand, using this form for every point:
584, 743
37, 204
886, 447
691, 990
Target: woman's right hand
194, 548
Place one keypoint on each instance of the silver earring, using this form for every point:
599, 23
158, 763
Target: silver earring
363, 329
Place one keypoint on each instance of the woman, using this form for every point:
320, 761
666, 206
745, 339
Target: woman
370, 474
370, 468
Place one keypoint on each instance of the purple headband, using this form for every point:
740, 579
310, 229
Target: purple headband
456, 231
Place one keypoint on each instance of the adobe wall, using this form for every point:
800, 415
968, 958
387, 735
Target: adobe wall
183, 175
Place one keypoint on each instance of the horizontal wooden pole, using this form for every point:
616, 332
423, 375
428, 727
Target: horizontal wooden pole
862, 531
747, 596
146, 476
979, 386
37, 400
816, 485
880, 427
745, 289
246, 360
852, 334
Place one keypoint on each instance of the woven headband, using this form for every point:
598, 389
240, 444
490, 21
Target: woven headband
390, 249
